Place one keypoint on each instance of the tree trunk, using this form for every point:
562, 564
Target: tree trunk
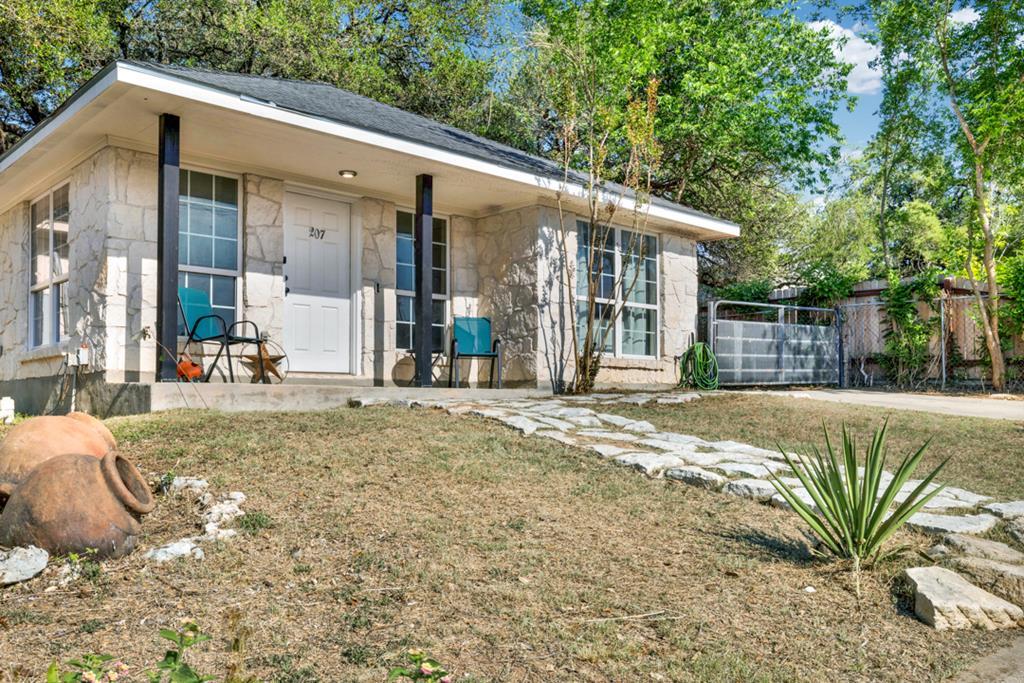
990, 305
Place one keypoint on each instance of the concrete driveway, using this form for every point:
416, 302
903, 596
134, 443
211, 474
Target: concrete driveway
972, 406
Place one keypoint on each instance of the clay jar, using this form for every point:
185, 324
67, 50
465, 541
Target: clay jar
72, 503
38, 439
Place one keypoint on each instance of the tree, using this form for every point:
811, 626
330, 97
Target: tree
972, 58
435, 59
607, 114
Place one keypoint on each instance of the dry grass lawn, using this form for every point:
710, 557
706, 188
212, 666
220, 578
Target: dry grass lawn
507, 558
985, 456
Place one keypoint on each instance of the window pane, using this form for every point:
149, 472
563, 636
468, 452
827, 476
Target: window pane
403, 338
439, 256
61, 294
405, 250
406, 278
225, 254
182, 282
405, 309
226, 190
639, 327
61, 211
200, 186
437, 338
440, 230
41, 241
225, 222
200, 219
200, 251
439, 284
600, 324
405, 221
223, 291
38, 305
439, 309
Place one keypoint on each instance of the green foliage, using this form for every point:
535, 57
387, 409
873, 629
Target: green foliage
172, 668
87, 668
908, 333
420, 668
825, 284
852, 511
754, 291
1011, 284
254, 522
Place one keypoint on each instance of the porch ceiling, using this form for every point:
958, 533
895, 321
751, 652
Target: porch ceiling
234, 133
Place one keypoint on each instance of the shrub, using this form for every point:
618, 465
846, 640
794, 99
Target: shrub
420, 668
853, 518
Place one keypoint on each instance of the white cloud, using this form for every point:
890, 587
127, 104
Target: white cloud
965, 15
852, 49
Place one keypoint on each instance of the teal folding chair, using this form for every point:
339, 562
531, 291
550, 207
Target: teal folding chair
471, 338
202, 325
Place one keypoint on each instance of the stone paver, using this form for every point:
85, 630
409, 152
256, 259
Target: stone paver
945, 600
755, 489
750, 469
608, 450
651, 464
1010, 510
1004, 579
696, 476
944, 524
610, 436
983, 548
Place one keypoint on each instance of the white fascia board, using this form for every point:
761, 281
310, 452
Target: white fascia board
47, 128
141, 77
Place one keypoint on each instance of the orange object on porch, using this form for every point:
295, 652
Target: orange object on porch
189, 370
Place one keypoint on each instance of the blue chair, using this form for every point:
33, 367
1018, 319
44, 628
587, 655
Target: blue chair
471, 338
204, 326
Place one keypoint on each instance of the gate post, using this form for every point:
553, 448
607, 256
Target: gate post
841, 350
942, 335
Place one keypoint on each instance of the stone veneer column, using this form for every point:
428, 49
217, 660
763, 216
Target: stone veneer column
14, 234
263, 254
507, 258
378, 224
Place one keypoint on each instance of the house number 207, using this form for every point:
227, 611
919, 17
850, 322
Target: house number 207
316, 233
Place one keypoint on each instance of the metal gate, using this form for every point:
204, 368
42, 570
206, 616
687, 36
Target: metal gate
775, 344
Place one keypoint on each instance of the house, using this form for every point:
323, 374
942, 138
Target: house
297, 205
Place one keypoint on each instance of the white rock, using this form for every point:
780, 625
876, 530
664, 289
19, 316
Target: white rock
1016, 529
6, 410
809, 589
679, 438
942, 524
651, 464
759, 471
984, 548
641, 427
560, 425
367, 401
222, 512
777, 500
1004, 579
616, 420
522, 424
943, 502
663, 445
636, 400
556, 436
1010, 510
755, 489
488, 412
21, 564
584, 420
965, 496
193, 485
946, 600
213, 532
607, 450
186, 547
572, 411
696, 476
736, 447
610, 436
678, 398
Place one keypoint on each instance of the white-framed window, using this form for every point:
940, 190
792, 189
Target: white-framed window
405, 265
49, 225
209, 244
630, 260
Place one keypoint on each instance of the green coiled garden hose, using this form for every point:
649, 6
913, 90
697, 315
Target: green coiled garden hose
699, 367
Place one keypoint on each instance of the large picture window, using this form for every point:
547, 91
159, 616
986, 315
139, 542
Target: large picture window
48, 310
209, 249
405, 328
630, 260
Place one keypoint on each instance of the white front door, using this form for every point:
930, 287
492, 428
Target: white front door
318, 297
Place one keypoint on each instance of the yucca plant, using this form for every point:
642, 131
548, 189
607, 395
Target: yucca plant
854, 517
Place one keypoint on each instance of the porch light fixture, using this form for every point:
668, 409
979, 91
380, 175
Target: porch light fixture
347, 173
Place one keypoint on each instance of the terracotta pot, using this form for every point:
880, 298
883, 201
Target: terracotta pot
72, 503
86, 418
38, 439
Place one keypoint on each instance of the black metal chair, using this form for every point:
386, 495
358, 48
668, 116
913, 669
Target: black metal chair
203, 326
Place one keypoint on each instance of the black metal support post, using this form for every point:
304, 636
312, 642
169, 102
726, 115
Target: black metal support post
167, 248
424, 238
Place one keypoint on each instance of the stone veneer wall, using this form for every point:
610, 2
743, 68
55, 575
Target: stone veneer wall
507, 264
263, 249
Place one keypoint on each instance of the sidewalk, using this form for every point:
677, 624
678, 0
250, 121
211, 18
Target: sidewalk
968, 406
